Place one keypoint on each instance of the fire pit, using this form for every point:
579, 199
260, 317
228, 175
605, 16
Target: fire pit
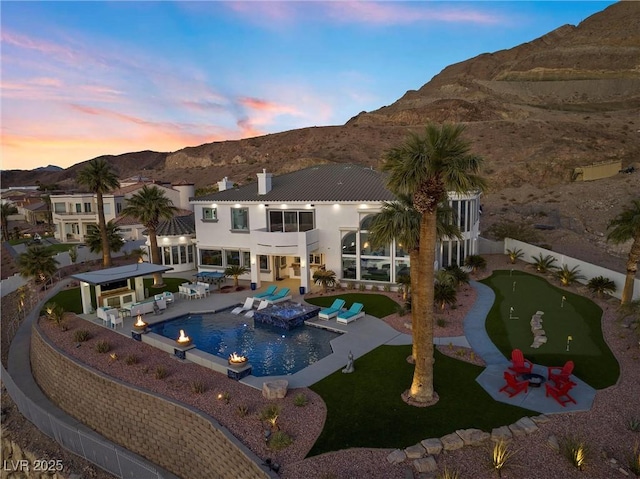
237, 360
140, 325
183, 340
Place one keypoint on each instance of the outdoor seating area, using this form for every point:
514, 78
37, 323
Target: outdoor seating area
193, 290
274, 296
148, 305
353, 313
332, 311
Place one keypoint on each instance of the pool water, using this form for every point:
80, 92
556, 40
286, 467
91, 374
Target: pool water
272, 351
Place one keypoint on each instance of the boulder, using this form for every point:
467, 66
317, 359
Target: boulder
275, 389
396, 457
502, 433
414, 452
527, 424
433, 446
425, 464
541, 419
451, 442
517, 430
472, 437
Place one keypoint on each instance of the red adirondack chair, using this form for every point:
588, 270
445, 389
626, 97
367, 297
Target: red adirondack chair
562, 374
519, 364
560, 392
514, 386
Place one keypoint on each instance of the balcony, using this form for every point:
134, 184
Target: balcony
283, 243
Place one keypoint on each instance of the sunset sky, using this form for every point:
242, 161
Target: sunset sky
83, 79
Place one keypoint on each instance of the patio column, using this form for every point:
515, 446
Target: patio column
139, 287
255, 270
85, 294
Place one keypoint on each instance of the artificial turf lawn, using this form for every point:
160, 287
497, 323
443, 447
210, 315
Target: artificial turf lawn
577, 316
377, 305
364, 409
71, 301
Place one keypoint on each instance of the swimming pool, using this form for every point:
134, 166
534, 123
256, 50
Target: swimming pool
272, 351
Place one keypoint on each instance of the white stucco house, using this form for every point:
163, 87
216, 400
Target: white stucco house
289, 225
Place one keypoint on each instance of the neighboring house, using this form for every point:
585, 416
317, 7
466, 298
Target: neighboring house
290, 225
74, 213
176, 240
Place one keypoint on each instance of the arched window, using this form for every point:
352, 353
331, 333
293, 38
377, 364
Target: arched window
365, 222
349, 243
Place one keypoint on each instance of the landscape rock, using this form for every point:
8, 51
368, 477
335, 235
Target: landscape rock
425, 464
541, 419
517, 430
553, 443
415, 452
451, 442
472, 437
527, 424
433, 446
502, 433
396, 457
275, 389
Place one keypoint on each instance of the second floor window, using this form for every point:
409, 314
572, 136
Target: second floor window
283, 220
59, 208
78, 207
87, 207
240, 219
209, 214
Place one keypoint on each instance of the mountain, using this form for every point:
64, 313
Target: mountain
534, 112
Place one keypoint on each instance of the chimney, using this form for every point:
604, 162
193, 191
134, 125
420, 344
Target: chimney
264, 182
225, 184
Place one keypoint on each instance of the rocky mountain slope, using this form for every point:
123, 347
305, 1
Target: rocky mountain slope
534, 112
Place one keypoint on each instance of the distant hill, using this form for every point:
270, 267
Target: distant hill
534, 112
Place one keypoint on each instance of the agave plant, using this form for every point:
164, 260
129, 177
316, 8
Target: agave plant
568, 276
514, 255
601, 285
544, 263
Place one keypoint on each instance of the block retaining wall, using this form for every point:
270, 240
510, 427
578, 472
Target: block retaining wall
171, 435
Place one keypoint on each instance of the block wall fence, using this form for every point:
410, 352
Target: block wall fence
180, 439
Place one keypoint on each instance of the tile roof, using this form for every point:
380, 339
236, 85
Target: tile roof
338, 182
177, 226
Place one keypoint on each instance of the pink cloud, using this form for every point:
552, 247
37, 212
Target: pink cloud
267, 106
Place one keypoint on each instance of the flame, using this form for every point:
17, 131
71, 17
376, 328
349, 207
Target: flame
236, 358
140, 323
183, 337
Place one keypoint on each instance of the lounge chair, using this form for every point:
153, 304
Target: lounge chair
520, 365
332, 311
561, 374
513, 386
353, 313
267, 292
280, 296
248, 304
263, 304
560, 392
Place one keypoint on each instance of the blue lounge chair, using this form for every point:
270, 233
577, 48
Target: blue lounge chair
332, 311
267, 292
353, 313
281, 295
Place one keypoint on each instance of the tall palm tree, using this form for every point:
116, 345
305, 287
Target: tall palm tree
625, 227
6, 210
100, 178
150, 205
427, 167
38, 263
94, 237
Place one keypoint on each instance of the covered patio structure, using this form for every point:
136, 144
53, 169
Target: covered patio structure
116, 287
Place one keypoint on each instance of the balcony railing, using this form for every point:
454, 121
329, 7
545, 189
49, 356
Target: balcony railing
278, 242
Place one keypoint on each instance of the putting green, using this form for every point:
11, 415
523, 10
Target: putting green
520, 295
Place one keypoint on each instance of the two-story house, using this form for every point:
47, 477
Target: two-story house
287, 226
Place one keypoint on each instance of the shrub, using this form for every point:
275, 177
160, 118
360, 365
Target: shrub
633, 460
300, 400
131, 359
448, 474
458, 275
514, 255
362, 287
386, 288
444, 294
441, 322
54, 312
103, 346
634, 424
543, 264
576, 451
568, 276
161, 372
501, 456
517, 231
375, 287
601, 285
279, 440
270, 414
475, 262
242, 410
198, 387
81, 335
225, 396
351, 286
325, 278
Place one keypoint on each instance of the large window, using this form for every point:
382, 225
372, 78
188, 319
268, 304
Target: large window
87, 207
211, 257
59, 208
209, 214
240, 219
107, 208
264, 263
233, 257
288, 220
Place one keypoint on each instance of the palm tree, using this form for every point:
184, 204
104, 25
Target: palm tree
100, 178
625, 227
94, 238
544, 263
514, 255
235, 271
460, 275
138, 254
568, 275
37, 262
325, 278
149, 206
426, 167
6, 210
475, 262
600, 285
444, 293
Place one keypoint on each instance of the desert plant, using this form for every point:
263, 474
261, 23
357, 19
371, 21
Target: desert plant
444, 294
601, 285
198, 387
270, 414
362, 287
81, 335
517, 231
102, 346
375, 287
161, 372
54, 312
633, 424
576, 451
475, 262
279, 440
626, 227
73, 254
514, 255
131, 359
386, 288
501, 456
542, 264
460, 275
300, 400
325, 278
351, 286
441, 322
633, 459
568, 275
448, 474
405, 281
235, 272
242, 410
225, 396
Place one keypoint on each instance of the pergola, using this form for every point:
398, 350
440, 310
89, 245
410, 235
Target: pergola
129, 272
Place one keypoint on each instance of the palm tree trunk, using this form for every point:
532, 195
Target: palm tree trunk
632, 269
154, 256
102, 224
414, 259
422, 386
